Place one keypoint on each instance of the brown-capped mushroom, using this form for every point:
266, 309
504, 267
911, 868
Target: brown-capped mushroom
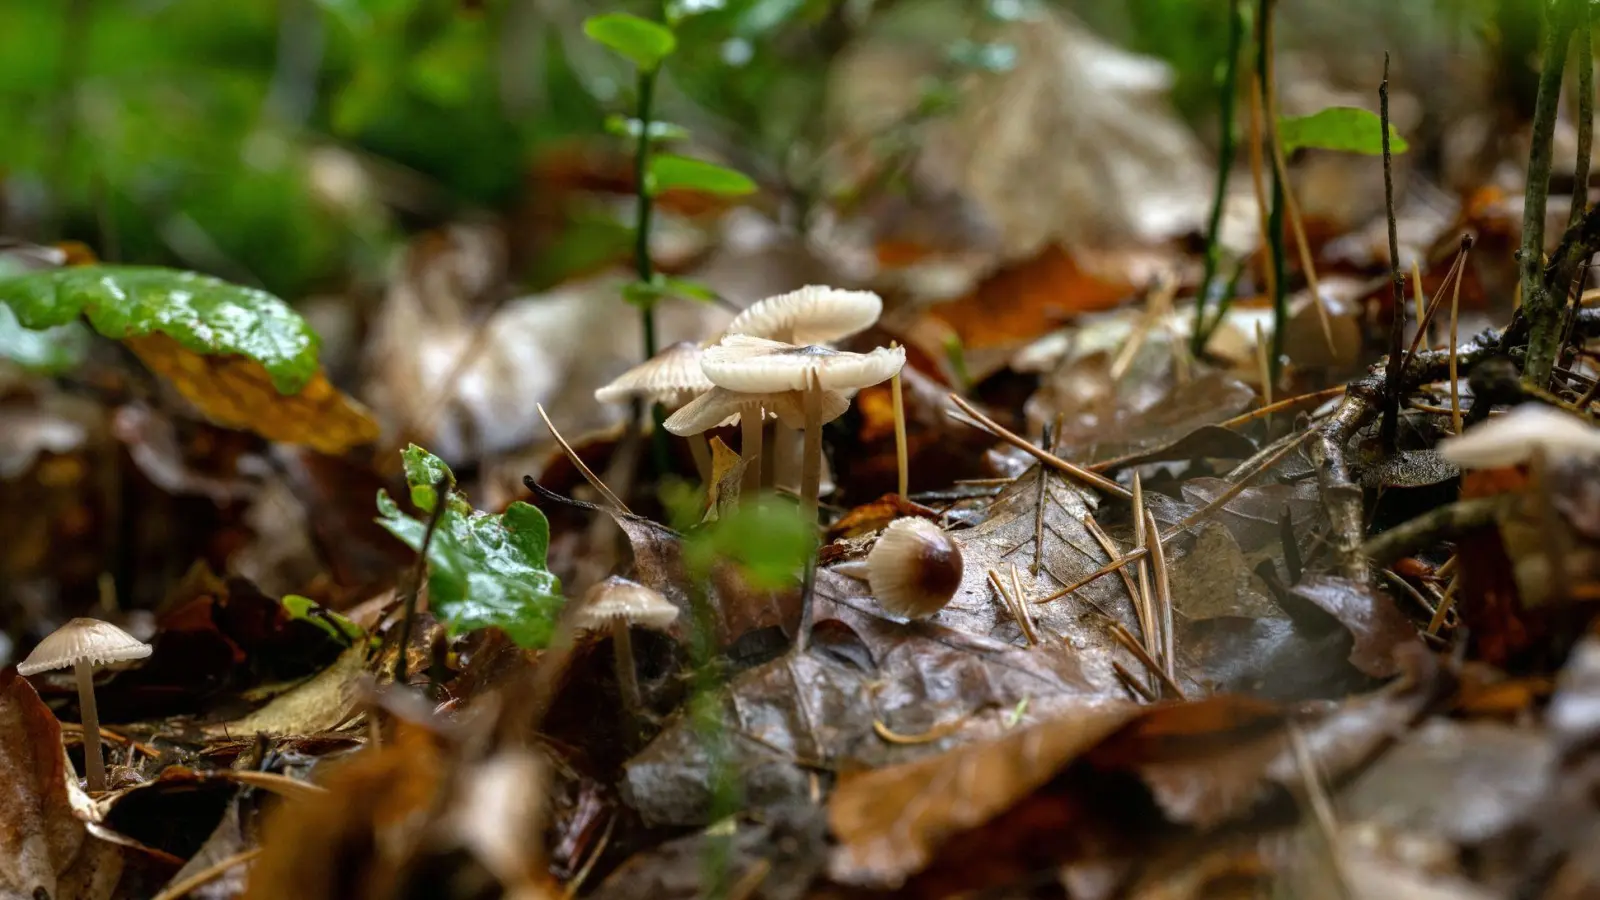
670, 378
753, 365
618, 604
914, 569
84, 644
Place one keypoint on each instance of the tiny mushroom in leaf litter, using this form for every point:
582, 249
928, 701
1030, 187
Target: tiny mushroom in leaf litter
1519, 435
671, 378
84, 644
617, 603
812, 315
755, 366
914, 569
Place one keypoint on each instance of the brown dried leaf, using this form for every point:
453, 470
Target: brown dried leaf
45, 851
235, 392
892, 823
1373, 620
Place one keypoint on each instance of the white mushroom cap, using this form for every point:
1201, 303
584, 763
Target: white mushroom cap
914, 569
83, 640
671, 377
1513, 438
812, 315
617, 598
754, 365
720, 406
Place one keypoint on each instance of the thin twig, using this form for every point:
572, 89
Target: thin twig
1281, 405
1584, 37
1104, 540
1544, 290
1091, 478
1438, 524
1141, 539
208, 874
1122, 636
584, 470
1113, 566
1238, 486
1132, 683
1163, 600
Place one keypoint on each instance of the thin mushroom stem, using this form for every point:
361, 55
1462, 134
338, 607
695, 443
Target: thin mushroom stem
750, 449
93, 763
700, 449
811, 461
901, 457
627, 675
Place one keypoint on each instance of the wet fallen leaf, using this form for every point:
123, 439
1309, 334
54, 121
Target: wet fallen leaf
1376, 624
318, 705
45, 850
774, 858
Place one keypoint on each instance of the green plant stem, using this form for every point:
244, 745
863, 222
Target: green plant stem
419, 576
1228, 88
1542, 302
1584, 41
1389, 427
644, 269
1274, 236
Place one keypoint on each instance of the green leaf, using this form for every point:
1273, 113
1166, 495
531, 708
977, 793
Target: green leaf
484, 571
641, 41
668, 171
769, 541
338, 627
628, 126
48, 352
689, 290
423, 472
643, 294
1344, 128
202, 314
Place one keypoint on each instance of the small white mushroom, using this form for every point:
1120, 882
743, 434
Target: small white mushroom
720, 405
84, 644
753, 365
914, 569
670, 378
812, 315
1518, 436
617, 604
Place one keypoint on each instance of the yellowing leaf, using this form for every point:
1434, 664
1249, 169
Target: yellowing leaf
237, 392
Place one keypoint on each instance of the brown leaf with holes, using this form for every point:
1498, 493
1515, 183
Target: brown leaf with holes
45, 851
235, 392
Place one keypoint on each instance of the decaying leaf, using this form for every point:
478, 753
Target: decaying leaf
1373, 620
775, 858
45, 850
318, 705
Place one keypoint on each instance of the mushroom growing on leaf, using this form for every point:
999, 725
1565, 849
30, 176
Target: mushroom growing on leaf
84, 644
618, 604
914, 568
751, 366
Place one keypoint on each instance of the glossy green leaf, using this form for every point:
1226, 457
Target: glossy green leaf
1344, 128
668, 171
630, 127
48, 352
689, 290
202, 314
424, 471
643, 42
769, 541
484, 571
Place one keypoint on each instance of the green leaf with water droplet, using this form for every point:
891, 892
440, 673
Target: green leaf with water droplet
484, 571
47, 352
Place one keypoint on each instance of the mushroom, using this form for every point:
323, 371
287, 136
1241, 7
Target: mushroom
756, 366
914, 569
811, 315
720, 405
618, 604
1521, 434
84, 644
670, 378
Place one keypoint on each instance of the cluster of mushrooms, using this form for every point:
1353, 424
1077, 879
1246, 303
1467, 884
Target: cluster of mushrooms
774, 361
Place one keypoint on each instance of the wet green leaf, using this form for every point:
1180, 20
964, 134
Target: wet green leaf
1344, 128
643, 42
202, 314
424, 471
483, 570
47, 352
337, 626
668, 171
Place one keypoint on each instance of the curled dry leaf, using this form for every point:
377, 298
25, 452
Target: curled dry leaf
1374, 622
45, 851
